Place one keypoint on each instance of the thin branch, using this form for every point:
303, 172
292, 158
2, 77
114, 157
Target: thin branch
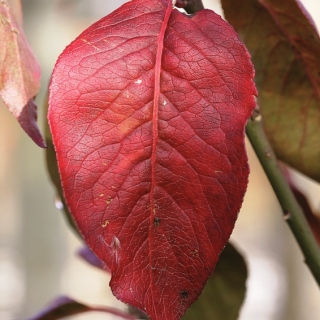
293, 213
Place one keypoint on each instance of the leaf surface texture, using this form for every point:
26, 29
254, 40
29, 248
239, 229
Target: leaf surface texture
147, 111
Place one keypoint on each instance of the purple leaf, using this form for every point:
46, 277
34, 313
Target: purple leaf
64, 306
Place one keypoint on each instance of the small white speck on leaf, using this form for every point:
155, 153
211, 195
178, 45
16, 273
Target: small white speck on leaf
139, 81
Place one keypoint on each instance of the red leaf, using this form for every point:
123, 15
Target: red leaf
20, 73
147, 111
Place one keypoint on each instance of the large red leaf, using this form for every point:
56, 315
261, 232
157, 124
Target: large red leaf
147, 111
20, 71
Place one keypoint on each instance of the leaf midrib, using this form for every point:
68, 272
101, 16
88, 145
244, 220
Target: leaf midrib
155, 132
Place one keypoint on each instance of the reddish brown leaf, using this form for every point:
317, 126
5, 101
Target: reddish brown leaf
285, 49
63, 307
147, 110
312, 218
20, 73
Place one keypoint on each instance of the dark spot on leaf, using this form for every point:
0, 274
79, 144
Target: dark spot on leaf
184, 294
156, 222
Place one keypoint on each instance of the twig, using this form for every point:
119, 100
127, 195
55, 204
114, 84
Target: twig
293, 213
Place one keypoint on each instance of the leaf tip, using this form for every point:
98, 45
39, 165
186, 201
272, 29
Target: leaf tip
28, 122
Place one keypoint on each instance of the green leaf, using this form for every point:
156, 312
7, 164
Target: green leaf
285, 49
224, 292
53, 170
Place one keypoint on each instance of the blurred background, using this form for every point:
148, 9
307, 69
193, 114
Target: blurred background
37, 247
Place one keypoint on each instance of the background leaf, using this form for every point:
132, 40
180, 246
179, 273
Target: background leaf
64, 306
312, 217
86, 254
147, 111
52, 167
285, 49
20, 72
223, 294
